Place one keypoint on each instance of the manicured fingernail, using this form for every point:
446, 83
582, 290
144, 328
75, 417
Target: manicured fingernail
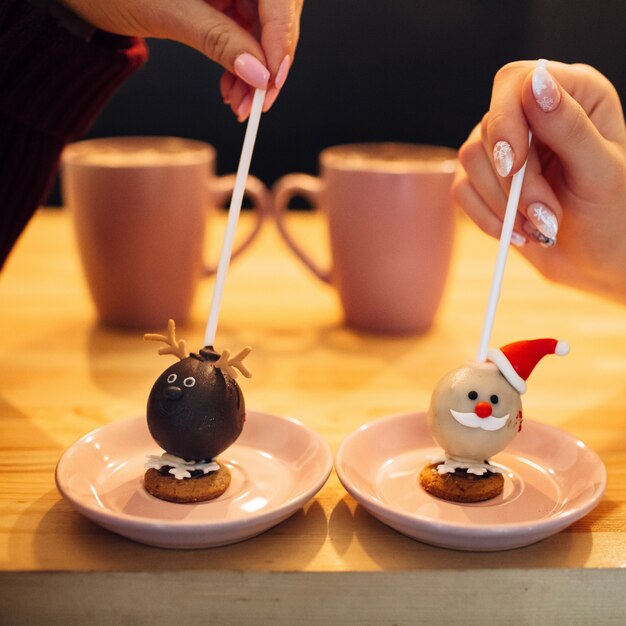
503, 157
244, 108
542, 225
517, 239
545, 89
270, 98
252, 71
283, 70
536, 236
227, 82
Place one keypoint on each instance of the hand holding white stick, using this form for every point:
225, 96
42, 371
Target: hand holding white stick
503, 250
233, 214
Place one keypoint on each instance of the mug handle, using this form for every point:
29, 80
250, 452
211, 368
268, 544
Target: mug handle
285, 188
222, 189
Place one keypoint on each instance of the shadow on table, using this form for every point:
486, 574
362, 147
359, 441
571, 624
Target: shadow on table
119, 361
337, 358
65, 540
123, 365
387, 549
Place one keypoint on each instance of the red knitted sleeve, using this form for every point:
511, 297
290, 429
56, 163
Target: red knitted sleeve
53, 84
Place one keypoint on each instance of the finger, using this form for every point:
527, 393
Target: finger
237, 94
539, 209
219, 37
506, 128
245, 107
491, 150
280, 31
590, 89
562, 122
270, 98
279, 81
474, 156
227, 82
539, 203
474, 205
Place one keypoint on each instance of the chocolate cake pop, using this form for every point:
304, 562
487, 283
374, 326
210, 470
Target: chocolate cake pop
196, 410
475, 412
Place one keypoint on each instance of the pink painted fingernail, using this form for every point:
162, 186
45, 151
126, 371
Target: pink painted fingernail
244, 108
270, 98
503, 157
252, 71
545, 89
543, 225
226, 84
283, 70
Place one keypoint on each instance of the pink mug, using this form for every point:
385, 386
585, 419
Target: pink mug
391, 228
139, 207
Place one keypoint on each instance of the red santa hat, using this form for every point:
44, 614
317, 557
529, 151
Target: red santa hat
517, 360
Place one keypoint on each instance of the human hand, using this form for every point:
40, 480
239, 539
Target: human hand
254, 41
575, 181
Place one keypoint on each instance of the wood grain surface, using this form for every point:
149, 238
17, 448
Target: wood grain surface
62, 374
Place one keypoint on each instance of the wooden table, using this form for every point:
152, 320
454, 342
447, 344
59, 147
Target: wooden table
62, 374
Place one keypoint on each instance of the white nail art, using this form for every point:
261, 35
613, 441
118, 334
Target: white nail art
543, 219
540, 238
545, 90
517, 239
503, 158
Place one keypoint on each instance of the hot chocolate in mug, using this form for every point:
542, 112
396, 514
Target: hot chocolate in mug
139, 207
391, 228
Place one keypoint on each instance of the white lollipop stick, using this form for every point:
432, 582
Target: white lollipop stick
503, 250
233, 213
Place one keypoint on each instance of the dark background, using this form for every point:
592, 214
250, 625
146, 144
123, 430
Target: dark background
394, 70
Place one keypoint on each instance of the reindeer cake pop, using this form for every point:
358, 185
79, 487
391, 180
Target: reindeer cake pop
196, 408
475, 412
195, 411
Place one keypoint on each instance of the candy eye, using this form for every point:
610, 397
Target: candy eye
190, 381
171, 378
472, 395
494, 399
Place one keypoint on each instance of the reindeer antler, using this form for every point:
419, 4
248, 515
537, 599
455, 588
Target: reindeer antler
229, 365
177, 348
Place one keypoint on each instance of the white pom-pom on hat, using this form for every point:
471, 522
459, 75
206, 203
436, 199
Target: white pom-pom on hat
562, 348
517, 360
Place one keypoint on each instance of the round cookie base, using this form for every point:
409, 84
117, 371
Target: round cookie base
187, 490
461, 486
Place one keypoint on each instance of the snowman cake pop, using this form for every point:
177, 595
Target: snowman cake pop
196, 410
475, 412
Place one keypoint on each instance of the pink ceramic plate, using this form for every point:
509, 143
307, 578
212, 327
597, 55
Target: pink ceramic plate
551, 480
277, 465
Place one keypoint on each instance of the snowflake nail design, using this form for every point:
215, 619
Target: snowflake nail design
545, 90
543, 218
543, 226
503, 157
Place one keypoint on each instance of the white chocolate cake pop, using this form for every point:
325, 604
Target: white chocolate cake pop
476, 410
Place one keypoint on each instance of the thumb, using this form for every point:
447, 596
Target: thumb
561, 122
220, 38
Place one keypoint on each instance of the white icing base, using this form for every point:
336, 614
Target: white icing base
179, 468
472, 467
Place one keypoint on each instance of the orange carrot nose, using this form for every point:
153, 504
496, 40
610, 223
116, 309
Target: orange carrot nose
483, 409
